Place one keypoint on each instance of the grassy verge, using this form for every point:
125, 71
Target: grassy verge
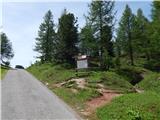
51, 73
133, 106
3, 72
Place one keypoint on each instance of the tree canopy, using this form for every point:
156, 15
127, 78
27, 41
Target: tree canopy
67, 38
101, 19
125, 33
136, 36
46, 38
6, 48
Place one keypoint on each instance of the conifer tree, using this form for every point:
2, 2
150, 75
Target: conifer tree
45, 42
6, 48
88, 43
67, 38
126, 33
101, 15
155, 30
142, 41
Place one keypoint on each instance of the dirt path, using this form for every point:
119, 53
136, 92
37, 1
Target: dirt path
92, 105
106, 95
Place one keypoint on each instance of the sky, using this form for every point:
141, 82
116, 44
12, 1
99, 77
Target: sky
21, 20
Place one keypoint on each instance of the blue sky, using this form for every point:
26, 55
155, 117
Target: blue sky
21, 21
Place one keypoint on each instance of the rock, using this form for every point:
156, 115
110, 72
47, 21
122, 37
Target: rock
46, 84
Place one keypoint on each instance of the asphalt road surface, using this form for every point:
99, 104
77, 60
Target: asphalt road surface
25, 98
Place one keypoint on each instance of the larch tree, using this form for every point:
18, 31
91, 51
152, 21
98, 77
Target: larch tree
45, 42
142, 41
88, 43
155, 30
101, 15
125, 33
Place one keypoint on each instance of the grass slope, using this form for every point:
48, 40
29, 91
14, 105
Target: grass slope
136, 106
56, 74
133, 106
51, 73
151, 82
111, 80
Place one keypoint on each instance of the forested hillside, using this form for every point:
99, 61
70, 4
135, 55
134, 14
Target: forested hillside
124, 62
136, 38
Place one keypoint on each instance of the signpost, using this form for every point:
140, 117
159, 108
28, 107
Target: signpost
82, 62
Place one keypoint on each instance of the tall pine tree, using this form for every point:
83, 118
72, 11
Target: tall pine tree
46, 39
101, 16
67, 38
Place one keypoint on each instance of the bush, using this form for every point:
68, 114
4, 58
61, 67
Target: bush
67, 65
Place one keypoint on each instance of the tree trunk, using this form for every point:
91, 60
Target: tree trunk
130, 49
147, 56
101, 48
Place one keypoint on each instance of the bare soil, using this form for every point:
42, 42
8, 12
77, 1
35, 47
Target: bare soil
92, 105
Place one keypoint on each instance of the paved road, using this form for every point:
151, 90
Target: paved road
25, 98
